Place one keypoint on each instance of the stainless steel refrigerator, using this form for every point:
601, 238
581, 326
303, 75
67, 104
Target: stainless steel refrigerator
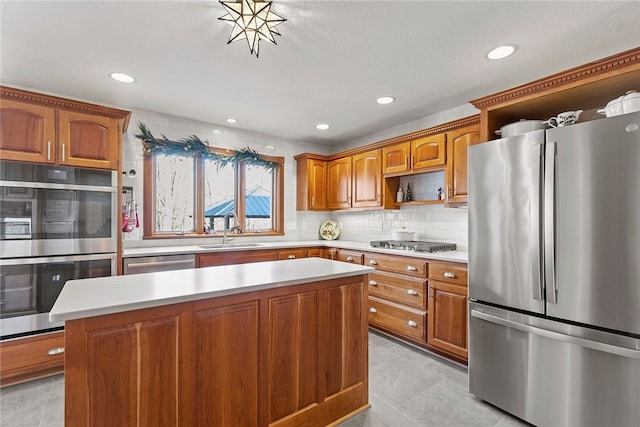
554, 273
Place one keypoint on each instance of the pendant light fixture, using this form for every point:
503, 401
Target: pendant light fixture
252, 21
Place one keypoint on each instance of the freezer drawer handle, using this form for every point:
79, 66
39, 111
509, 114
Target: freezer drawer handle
412, 292
373, 310
449, 275
373, 283
607, 348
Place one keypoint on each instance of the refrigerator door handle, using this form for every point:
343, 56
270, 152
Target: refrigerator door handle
536, 236
550, 222
582, 342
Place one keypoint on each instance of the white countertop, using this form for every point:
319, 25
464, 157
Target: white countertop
106, 295
453, 256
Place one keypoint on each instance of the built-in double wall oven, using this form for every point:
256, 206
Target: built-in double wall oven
56, 224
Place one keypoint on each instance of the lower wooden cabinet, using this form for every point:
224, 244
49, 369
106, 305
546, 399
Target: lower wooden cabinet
403, 320
288, 356
447, 322
292, 253
236, 257
32, 357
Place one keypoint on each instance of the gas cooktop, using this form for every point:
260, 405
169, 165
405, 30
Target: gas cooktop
411, 245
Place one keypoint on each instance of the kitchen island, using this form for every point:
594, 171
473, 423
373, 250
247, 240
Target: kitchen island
280, 343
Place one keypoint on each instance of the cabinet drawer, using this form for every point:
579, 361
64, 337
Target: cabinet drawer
292, 253
29, 358
398, 264
402, 320
350, 256
448, 272
396, 287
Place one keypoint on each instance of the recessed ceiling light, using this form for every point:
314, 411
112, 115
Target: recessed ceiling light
122, 77
501, 51
230, 120
385, 100
322, 126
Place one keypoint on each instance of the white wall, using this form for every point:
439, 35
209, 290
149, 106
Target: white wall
431, 222
176, 128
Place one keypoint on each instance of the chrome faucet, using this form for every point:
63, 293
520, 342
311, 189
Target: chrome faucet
227, 225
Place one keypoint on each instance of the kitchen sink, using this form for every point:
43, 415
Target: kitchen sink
230, 245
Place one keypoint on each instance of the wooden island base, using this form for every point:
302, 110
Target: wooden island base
285, 356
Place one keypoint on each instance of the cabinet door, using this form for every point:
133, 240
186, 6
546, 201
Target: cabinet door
396, 158
456, 173
292, 253
428, 151
87, 140
447, 324
317, 182
339, 183
28, 132
236, 257
367, 180
32, 357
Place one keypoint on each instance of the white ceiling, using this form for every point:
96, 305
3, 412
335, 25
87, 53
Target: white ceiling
331, 62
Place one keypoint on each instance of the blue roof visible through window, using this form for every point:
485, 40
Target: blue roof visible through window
257, 204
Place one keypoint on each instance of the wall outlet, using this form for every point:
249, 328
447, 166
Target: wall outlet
304, 226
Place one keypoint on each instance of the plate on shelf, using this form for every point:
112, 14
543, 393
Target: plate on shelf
329, 230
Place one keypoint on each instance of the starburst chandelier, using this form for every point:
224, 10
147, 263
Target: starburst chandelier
252, 21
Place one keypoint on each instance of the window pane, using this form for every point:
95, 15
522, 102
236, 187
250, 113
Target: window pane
219, 197
174, 198
259, 200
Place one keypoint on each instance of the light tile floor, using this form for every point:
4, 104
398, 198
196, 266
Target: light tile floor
407, 388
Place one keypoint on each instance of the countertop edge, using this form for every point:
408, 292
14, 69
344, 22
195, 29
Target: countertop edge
83, 298
450, 256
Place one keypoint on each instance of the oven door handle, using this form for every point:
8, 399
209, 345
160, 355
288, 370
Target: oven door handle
55, 259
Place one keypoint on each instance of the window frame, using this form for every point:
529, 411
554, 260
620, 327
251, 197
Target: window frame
149, 223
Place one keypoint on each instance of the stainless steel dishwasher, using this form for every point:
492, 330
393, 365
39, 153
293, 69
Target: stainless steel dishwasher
153, 264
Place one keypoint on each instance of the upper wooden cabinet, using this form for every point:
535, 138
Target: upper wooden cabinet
428, 151
355, 181
45, 129
420, 153
87, 140
458, 143
339, 183
367, 180
311, 183
587, 87
27, 131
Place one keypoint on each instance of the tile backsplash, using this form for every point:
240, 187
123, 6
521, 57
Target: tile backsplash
430, 222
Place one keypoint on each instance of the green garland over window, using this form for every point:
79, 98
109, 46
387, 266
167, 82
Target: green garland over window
192, 146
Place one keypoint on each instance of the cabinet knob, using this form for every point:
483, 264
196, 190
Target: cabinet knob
56, 350
349, 259
373, 262
449, 275
411, 268
412, 324
291, 257
373, 310
412, 292
373, 283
